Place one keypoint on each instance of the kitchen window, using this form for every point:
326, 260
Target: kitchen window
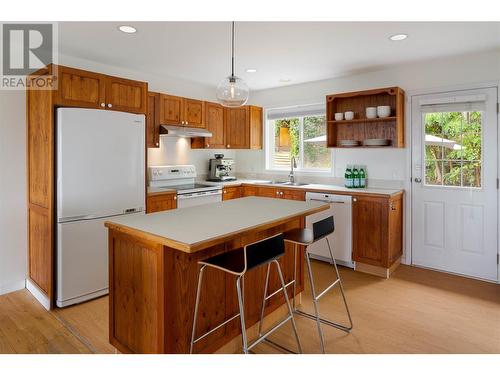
298, 132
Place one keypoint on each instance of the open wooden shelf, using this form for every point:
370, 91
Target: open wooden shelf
361, 128
356, 120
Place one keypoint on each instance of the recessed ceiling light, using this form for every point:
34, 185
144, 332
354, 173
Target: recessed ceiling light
251, 70
127, 29
398, 37
285, 80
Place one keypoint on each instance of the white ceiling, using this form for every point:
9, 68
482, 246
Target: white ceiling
299, 51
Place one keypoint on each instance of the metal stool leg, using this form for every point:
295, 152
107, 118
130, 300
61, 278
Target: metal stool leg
340, 284
315, 301
290, 311
294, 274
264, 300
198, 292
242, 316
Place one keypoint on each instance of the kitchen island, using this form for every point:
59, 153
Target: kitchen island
153, 271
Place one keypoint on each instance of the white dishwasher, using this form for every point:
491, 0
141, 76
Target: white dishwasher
341, 238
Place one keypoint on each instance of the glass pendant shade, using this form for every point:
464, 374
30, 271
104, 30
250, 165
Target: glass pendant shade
232, 92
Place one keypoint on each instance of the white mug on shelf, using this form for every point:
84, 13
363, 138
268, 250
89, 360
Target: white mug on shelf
383, 111
371, 112
349, 115
339, 116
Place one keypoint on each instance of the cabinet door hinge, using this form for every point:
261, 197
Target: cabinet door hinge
498, 107
498, 258
498, 183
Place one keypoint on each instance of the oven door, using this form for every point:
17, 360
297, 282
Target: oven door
197, 199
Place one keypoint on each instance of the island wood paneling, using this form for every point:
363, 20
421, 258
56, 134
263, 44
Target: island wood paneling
153, 290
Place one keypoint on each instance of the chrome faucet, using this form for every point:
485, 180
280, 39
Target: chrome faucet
293, 164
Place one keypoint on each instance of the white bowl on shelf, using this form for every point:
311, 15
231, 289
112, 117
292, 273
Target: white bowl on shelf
371, 112
349, 115
339, 116
383, 111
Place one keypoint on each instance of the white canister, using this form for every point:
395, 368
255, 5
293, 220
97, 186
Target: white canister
371, 112
383, 111
339, 116
349, 115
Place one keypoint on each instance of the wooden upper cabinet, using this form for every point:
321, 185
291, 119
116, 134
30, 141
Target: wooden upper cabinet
126, 95
194, 113
214, 123
153, 120
256, 128
170, 109
80, 88
236, 127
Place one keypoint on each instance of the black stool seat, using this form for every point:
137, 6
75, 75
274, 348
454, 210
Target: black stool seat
257, 254
306, 236
300, 236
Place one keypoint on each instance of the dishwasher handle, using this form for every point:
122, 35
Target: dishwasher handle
325, 200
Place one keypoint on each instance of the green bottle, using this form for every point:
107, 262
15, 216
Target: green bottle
348, 177
362, 177
355, 177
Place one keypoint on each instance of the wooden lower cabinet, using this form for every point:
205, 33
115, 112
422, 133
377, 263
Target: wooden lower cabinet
270, 192
161, 202
231, 192
377, 230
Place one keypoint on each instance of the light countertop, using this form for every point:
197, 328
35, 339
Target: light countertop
192, 229
310, 187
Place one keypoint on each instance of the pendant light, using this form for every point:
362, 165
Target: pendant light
232, 91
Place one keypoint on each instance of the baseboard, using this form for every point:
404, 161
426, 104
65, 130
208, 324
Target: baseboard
12, 286
38, 294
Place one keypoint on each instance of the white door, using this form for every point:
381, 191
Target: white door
454, 204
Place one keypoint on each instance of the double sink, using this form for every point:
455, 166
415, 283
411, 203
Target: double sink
287, 183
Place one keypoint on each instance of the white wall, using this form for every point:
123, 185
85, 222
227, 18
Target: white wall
389, 166
12, 191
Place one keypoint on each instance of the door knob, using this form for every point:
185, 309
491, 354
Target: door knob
417, 180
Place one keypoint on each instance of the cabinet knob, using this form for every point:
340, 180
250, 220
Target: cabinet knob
228, 146
281, 193
277, 193
110, 105
157, 144
354, 199
225, 191
103, 105
175, 197
187, 123
208, 145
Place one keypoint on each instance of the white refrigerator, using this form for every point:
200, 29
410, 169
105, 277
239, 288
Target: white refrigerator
100, 174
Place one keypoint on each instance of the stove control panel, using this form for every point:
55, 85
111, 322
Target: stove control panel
171, 172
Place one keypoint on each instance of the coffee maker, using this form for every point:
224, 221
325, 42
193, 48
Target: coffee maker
220, 169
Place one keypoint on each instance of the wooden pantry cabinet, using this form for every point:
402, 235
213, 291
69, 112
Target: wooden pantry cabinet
175, 110
81, 88
232, 128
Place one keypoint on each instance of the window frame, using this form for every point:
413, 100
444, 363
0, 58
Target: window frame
270, 146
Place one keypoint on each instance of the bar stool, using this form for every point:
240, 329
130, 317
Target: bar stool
306, 237
238, 262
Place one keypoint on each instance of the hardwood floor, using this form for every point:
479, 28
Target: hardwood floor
415, 311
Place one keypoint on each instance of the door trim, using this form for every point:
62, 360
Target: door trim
408, 253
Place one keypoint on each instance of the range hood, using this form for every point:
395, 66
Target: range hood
183, 131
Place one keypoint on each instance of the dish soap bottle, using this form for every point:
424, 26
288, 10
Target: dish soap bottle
348, 177
355, 177
362, 177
